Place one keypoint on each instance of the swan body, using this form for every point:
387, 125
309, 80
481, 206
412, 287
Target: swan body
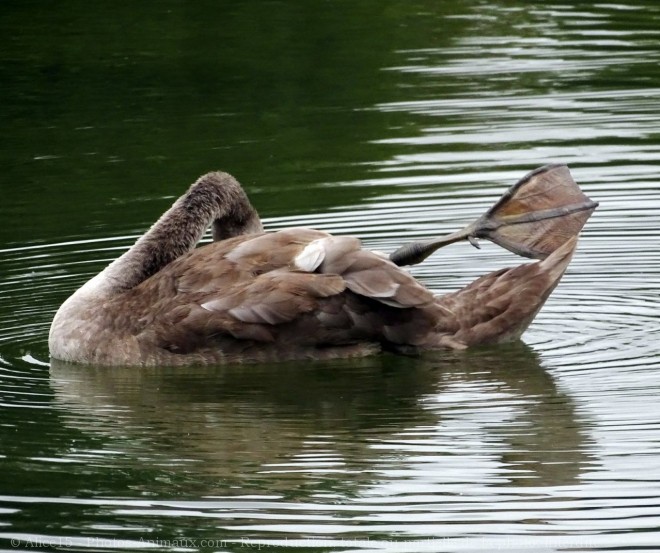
292, 294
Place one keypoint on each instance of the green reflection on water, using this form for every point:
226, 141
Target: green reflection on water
135, 101
108, 110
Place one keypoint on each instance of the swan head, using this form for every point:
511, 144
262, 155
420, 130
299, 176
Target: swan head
221, 197
246, 222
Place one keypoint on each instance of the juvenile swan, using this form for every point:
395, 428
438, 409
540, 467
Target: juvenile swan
291, 294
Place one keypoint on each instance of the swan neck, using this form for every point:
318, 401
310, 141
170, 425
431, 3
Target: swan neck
215, 198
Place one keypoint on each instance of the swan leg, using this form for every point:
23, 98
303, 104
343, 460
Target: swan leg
532, 219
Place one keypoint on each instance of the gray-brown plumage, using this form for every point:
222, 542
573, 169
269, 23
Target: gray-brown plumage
292, 294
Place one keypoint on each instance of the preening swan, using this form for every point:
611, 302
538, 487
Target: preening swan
301, 293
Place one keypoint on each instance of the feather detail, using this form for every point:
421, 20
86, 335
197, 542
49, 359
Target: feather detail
276, 297
369, 274
311, 256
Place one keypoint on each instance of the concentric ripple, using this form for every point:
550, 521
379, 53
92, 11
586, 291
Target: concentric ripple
549, 445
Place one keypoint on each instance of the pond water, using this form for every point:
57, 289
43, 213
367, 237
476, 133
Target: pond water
388, 120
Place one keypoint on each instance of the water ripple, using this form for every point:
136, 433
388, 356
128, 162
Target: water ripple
552, 445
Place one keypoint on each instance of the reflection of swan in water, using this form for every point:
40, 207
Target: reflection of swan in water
301, 293
340, 421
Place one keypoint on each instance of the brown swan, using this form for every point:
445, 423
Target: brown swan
301, 293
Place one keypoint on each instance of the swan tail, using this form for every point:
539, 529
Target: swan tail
500, 306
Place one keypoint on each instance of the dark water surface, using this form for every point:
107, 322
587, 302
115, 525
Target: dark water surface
388, 120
